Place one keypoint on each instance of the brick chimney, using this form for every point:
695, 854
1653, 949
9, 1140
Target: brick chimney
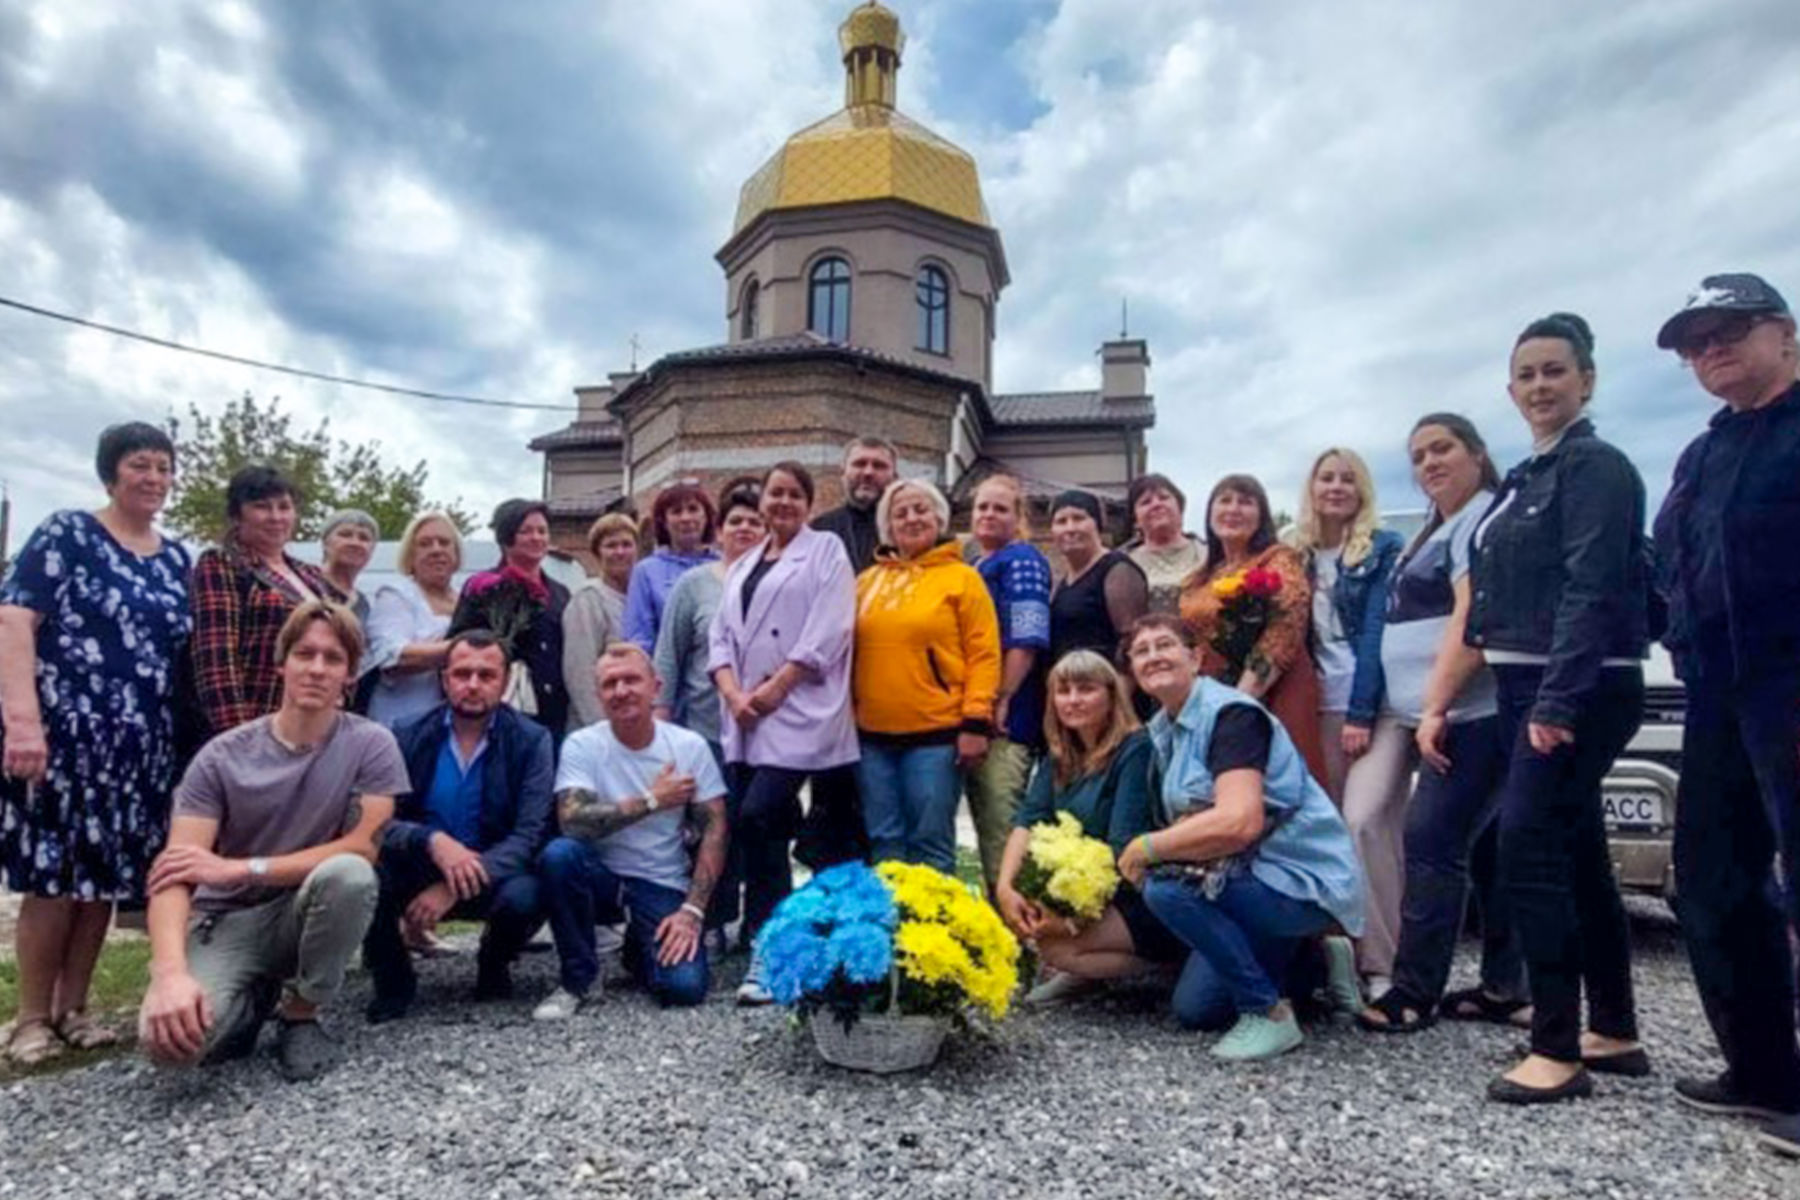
593, 401
1124, 369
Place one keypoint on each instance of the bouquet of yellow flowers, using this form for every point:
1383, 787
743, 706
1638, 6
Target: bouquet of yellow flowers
1066, 871
951, 949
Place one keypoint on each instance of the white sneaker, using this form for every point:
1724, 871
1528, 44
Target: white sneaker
751, 993
1059, 988
559, 1005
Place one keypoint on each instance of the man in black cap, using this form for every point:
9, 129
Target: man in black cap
1727, 564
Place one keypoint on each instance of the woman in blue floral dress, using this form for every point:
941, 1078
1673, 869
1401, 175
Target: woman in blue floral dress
93, 619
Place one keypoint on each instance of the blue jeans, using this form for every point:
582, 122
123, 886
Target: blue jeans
909, 799
578, 892
1242, 944
1449, 814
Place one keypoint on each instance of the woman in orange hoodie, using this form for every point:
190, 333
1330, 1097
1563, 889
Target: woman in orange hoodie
926, 676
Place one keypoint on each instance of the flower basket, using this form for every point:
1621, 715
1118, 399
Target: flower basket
879, 1043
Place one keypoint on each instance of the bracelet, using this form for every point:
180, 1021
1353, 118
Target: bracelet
693, 910
1149, 850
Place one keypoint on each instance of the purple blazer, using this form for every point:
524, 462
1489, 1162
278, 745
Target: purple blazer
804, 611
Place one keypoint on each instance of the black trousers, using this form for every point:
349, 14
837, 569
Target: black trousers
512, 908
767, 820
1739, 809
1555, 866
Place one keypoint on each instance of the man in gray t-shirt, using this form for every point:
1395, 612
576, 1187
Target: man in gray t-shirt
267, 885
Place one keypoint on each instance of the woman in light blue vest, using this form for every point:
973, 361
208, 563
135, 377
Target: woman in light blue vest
1252, 859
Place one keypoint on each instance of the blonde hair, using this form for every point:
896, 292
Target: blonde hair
409, 541
340, 620
1361, 538
607, 525
1069, 760
1012, 484
925, 487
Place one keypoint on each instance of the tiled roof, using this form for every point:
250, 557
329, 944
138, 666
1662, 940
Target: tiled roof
788, 348
1072, 408
587, 504
581, 433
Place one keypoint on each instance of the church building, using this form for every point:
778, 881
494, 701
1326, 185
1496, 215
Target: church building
862, 278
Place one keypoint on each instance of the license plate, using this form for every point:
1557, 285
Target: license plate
1633, 808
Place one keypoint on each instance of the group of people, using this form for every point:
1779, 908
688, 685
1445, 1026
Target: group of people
1307, 748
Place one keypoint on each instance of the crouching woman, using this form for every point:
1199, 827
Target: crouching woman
1098, 771
1252, 859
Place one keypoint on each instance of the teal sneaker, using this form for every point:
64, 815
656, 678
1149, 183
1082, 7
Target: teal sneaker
1256, 1037
1341, 983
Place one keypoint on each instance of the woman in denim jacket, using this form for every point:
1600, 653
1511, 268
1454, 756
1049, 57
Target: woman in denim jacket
1560, 612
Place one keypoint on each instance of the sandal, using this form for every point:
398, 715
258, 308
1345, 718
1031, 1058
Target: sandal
81, 1032
1393, 1012
33, 1042
1473, 1004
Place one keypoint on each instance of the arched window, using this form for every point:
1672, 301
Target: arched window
747, 311
933, 290
828, 299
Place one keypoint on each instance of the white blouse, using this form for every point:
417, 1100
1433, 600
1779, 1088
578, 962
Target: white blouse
400, 616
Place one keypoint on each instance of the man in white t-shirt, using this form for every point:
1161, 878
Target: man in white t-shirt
627, 790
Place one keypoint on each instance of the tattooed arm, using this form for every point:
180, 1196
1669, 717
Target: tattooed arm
586, 816
678, 936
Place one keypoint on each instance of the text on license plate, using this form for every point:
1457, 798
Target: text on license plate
1636, 808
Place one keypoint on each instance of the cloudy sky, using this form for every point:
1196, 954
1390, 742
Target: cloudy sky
1328, 218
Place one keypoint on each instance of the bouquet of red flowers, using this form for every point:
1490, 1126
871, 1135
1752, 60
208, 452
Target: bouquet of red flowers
1246, 609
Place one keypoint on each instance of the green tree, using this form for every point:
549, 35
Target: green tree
329, 474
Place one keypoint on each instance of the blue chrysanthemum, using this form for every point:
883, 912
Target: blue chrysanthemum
863, 952
795, 960
840, 877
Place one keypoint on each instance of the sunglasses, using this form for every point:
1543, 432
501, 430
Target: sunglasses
1728, 332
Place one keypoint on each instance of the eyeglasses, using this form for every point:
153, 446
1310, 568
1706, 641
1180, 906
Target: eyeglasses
1728, 332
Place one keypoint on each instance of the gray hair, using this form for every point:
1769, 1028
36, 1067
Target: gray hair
925, 487
350, 516
870, 441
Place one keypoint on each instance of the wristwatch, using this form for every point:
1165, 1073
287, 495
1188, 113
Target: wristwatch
650, 804
258, 867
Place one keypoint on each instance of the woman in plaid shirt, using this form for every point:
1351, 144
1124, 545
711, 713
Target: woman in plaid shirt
242, 591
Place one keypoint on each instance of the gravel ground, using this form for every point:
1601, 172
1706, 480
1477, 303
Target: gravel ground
1107, 1098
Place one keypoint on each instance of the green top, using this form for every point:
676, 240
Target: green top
1114, 804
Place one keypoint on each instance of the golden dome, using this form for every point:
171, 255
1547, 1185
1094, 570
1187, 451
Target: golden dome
868, 150
873, 25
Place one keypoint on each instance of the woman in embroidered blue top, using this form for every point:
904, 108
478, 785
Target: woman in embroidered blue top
1253, 858
93, 619
1018, 578
1561, 613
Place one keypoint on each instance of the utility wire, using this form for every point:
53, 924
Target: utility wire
268, 366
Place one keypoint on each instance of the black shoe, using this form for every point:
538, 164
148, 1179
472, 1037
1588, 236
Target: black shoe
383, 1009
302, 1050
493, 983
1782, 1135
1721, 1097
1632, 1064
1578, 1086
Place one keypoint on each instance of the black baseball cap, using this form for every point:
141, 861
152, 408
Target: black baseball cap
1743, 293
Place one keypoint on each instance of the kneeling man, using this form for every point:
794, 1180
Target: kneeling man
467, 837
628, 790
268, 882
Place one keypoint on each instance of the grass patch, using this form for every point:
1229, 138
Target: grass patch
120, 978
968, 867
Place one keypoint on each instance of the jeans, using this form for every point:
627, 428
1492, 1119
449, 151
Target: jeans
1739, 808
302, 940
1555, 865
909, 798
995, 789
1449, 814
1242, 944
579, 891
512, 909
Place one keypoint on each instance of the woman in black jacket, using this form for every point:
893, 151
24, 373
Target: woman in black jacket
1560, 611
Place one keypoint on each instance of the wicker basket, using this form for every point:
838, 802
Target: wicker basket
879, 1044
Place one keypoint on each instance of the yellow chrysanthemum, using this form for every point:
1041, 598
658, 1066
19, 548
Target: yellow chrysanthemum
949, 934
1075, 873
